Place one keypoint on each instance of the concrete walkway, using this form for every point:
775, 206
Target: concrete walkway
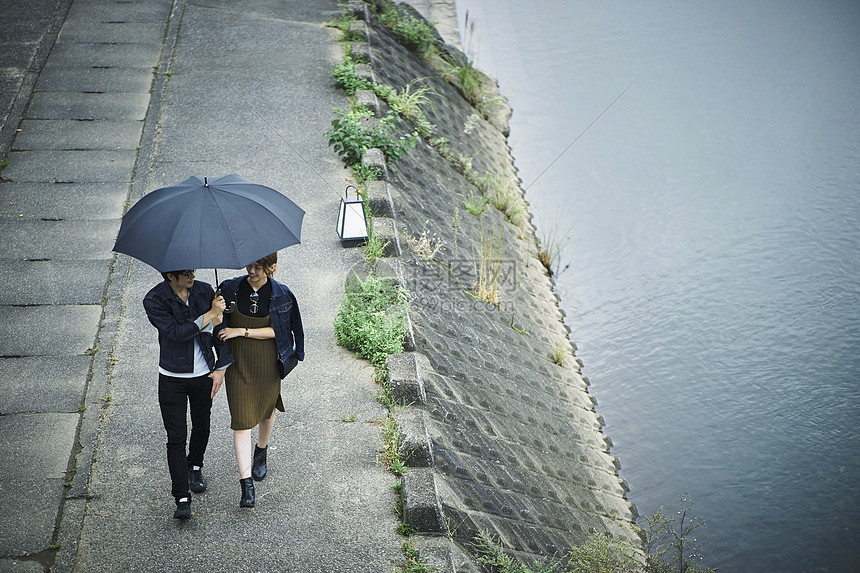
241, 87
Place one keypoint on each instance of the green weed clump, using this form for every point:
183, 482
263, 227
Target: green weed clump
414, 33
412, 563
344, 76
364, 173
475, 204
466, 78
371, 319
602, 554
342, 22
350, 139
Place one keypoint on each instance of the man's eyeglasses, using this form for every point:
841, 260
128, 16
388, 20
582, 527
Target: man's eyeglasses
189, 273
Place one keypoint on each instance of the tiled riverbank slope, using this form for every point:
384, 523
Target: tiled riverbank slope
509, 440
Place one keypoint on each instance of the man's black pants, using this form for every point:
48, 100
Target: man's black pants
174, 395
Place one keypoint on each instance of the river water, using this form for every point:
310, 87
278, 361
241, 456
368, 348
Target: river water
709, 219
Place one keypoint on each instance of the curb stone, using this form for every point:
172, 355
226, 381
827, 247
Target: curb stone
360, 52
384, 229
422, 508
379, 198
404, 381
368, 100
415, 445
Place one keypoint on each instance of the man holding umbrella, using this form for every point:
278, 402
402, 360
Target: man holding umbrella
185, 312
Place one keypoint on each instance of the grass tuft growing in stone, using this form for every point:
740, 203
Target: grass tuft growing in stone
390, 454
488, 266
413, 564
560, 353
410, 100
475, 204
549, 250
505, 196
371, 319
460, 70
374, 248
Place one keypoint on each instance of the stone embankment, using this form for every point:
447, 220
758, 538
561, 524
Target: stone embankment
501, 439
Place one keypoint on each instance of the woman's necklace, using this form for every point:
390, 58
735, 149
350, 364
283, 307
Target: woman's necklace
255, 296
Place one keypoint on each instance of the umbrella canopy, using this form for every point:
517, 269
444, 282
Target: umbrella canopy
226, 222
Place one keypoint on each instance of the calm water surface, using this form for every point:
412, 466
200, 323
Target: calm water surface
711, 228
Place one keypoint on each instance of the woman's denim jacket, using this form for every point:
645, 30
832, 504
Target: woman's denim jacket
177, 328
286, 319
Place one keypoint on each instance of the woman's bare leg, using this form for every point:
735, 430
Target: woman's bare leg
265, 430
244, 455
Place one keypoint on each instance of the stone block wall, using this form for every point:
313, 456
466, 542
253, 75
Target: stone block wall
500, 438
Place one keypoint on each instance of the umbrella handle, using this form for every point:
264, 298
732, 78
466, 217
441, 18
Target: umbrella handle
232, 306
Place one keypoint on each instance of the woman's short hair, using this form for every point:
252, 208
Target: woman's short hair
269, 263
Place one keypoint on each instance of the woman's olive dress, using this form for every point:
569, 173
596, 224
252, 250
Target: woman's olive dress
253, 384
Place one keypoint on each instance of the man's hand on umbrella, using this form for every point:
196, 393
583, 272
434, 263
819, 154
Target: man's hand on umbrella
217, 379
218, 305
215, 314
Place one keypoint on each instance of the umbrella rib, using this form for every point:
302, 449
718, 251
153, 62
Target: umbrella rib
222, 222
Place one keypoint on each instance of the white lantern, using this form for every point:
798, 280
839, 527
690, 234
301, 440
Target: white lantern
352, 220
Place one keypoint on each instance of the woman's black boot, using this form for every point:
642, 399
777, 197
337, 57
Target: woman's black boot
258, 471
247, 485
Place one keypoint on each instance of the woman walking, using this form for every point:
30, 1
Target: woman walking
266, 341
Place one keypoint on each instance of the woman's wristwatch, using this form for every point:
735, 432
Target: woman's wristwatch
246, 332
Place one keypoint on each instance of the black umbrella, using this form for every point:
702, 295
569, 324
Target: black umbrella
226, 222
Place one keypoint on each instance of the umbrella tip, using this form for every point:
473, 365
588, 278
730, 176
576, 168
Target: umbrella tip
205, 182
